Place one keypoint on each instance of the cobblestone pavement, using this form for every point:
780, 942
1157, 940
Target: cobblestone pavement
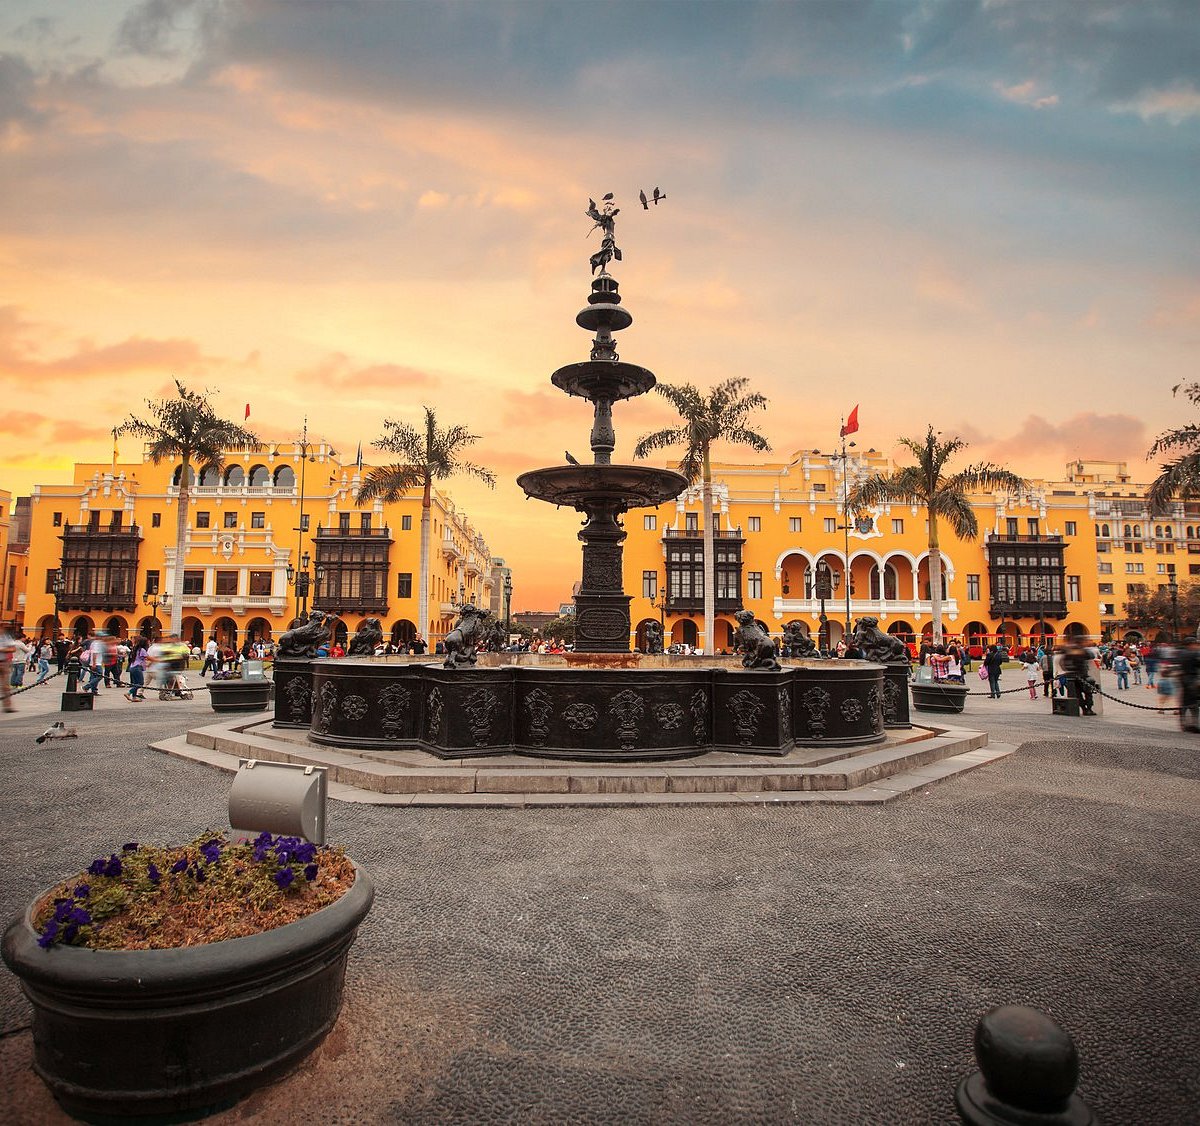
799, 963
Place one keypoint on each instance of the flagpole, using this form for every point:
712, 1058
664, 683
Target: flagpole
846, 525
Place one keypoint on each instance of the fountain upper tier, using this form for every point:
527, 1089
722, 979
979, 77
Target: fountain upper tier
603, 381
592, 487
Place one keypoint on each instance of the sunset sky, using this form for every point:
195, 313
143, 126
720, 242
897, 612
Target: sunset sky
981, 215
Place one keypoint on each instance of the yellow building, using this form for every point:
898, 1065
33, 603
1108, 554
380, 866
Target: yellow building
1064, 555
14, 560
256, 528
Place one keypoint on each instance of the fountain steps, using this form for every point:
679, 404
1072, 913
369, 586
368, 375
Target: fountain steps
908, 761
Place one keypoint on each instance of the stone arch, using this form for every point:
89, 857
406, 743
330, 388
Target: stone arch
146, 627
339, 632
235, 476
259, 477
862, 564
117, 626
285, 477
403, 632
47, 626
226, 631
258, 629
82, 626
1041, 632
902, 630
177, 476
923, 576
210, 475
684, 632
1075, 630
191, 630
884, 582
792, 567
1010, 635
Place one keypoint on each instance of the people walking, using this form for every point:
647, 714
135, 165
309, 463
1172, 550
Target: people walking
211, 657
1033, 673
7, 642
1075, 668
1046, 664
137, 670
45, 654
1120, 665
993, 663
1187, 664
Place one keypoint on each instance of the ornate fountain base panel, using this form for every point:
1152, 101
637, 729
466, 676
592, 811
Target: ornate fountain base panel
600, 715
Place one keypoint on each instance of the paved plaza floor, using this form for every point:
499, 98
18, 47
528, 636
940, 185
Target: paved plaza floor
711, 964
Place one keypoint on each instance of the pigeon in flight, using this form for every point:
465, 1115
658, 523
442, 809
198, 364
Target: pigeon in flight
57, 730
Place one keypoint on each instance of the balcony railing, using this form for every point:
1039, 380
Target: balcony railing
97, 602
698, 534
1029, 608
125, 531
1004, 537
335, 533
696, 605
880, 607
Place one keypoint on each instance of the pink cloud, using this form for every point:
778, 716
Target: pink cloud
338, 372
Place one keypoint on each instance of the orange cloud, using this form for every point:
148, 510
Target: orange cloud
337, 372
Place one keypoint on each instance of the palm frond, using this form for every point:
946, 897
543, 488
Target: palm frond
660, 440
1178, 479
988, 477
955, 506
390, 482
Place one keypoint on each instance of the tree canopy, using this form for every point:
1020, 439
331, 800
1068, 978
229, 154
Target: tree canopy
1180, 476
187, 427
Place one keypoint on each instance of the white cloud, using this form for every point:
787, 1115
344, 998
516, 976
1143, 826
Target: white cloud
1176, 103
1025, 94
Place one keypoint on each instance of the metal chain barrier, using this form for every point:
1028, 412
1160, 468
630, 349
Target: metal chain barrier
1140, 707
36, 684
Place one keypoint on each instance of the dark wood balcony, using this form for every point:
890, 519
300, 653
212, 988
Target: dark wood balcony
384, 533
698, 534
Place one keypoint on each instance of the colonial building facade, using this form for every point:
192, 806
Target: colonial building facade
1060, 558
269, 534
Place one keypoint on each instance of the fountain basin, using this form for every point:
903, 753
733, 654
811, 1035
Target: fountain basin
591, 487
598, 713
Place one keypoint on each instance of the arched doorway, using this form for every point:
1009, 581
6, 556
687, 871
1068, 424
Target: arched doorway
975, 636
1134, 636
403, 632
47, 627
285, 477
1076, 631
226, 632
191, 630
146, 628
1010, 636
724, 632
260, 477
258, 629
117, 626
340, 633
1041, 633
833, 632
684, 632
82, 626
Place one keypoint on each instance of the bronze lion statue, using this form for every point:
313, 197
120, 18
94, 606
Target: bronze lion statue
461, 642
799, 642
367, 638
877, 645
304, 639
754, 643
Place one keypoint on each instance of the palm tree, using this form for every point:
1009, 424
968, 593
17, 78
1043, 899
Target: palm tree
719, 416
185, 427
1181, 477
941, 496
429, 455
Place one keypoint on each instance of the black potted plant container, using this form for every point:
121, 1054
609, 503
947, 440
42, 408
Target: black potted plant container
129, 1034
240, 695
940, 696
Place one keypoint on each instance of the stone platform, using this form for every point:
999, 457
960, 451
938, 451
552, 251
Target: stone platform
903, 762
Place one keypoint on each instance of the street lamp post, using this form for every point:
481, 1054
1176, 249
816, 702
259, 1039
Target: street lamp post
845, 527
154, 600
1173, 591
507, 607
1003, 607
824, 590
58, 587
302, 580
659, 603
1041, 592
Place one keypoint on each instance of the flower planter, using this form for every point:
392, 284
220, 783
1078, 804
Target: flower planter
239, 695
133, 1033
939, 697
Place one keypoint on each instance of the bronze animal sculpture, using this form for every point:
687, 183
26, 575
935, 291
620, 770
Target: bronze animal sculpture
754, 643
461, 642
877, 645
654, 638
305, 639
495, 638
366, 639
799, 642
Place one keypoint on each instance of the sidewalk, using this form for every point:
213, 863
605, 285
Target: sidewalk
814, 964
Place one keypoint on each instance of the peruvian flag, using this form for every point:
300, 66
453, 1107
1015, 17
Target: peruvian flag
247, 410
851, 426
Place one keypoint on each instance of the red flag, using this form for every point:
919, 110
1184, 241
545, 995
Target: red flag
247, 410
851, 426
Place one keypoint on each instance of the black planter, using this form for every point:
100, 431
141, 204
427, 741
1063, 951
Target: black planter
153, 1033
239, 695
939, 697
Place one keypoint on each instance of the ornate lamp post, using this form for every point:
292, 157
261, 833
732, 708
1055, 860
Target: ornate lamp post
302, 581
507, 606
154, 600
1003, 607
58, 587
1041, 591
1173, 591
462, 594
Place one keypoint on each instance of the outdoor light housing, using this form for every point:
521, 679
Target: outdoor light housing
279, 797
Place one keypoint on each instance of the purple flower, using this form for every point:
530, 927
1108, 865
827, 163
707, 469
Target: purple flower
96, 868
265, 839
198, 874
152, 873
132, 846
62, 909
82, 891
305, 853
70, 932
284, 877
180, 865
48, 935
113, 866
211, 851
80, 916
310, 873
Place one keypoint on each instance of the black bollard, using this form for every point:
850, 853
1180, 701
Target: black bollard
72, 699
1028, 1069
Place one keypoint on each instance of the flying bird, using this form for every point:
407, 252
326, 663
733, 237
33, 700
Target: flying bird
570, 459
57, 730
